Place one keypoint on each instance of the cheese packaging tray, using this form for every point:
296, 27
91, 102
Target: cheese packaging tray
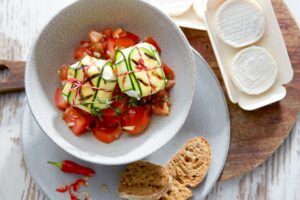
272, 41
189, 18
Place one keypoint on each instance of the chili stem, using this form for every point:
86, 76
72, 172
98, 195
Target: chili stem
57, 164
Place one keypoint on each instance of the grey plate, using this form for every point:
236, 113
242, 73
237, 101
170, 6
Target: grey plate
208, 118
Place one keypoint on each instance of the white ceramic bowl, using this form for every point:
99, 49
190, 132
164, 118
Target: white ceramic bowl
55, 46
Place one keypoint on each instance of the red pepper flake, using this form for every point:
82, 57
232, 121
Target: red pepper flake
77, 184
72, 188
62, 189
73, 196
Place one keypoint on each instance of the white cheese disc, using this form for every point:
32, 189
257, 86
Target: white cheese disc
253, 70
240, 22
172, 7
199, 7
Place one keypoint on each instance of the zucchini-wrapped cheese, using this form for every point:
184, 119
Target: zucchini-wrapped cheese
90, 84
139, 70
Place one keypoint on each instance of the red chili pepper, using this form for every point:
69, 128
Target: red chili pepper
62, 189
69, 166
73, 196
72, 188
77, 184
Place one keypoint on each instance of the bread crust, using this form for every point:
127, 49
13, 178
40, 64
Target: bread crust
144, 181
177, 191
190, 165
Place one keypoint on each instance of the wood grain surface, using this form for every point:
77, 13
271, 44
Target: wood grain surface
255, 135
15, 79
20, 22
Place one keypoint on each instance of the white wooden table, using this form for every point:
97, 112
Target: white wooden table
20, 22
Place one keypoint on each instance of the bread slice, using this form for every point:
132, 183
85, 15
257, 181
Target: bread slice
177, 191
144, 181
190, 165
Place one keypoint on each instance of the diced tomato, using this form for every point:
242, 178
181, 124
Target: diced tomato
60, 102
134, 37
125, 42
123, 34
104, 44
136, 119
107, 134
63, 72
168, 72
111, 48
77, 121
107, 32
80, 52
150, 40
118, 33
98, 47
160, 103
119, 105
162, 109
84, 43
95, 36
170, 84
110, 117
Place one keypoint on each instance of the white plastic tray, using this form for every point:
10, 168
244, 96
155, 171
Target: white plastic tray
189, 19
272, 41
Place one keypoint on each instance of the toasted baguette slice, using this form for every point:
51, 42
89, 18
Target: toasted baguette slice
190, 165
177, 191
144, 181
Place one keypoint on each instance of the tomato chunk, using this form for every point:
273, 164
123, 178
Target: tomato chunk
168, 72
63, 72
77, 121
161, 104
111, 48
150, 40
107, 134
60, 101
107, 32
133, 36
118, 33
110, 117
98, 47
80, 52
136, 119
125, 42
119, 105
95, 36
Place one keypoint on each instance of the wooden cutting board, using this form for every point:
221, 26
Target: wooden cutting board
255, 135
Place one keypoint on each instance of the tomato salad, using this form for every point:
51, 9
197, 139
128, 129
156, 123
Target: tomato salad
138, 87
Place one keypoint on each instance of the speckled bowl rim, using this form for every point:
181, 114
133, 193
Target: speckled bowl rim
62, 143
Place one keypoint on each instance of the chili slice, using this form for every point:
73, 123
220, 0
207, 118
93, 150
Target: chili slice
73, 187
62, 189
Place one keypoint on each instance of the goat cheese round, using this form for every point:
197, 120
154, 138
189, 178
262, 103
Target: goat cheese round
173, 7
240, 23
253, 70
